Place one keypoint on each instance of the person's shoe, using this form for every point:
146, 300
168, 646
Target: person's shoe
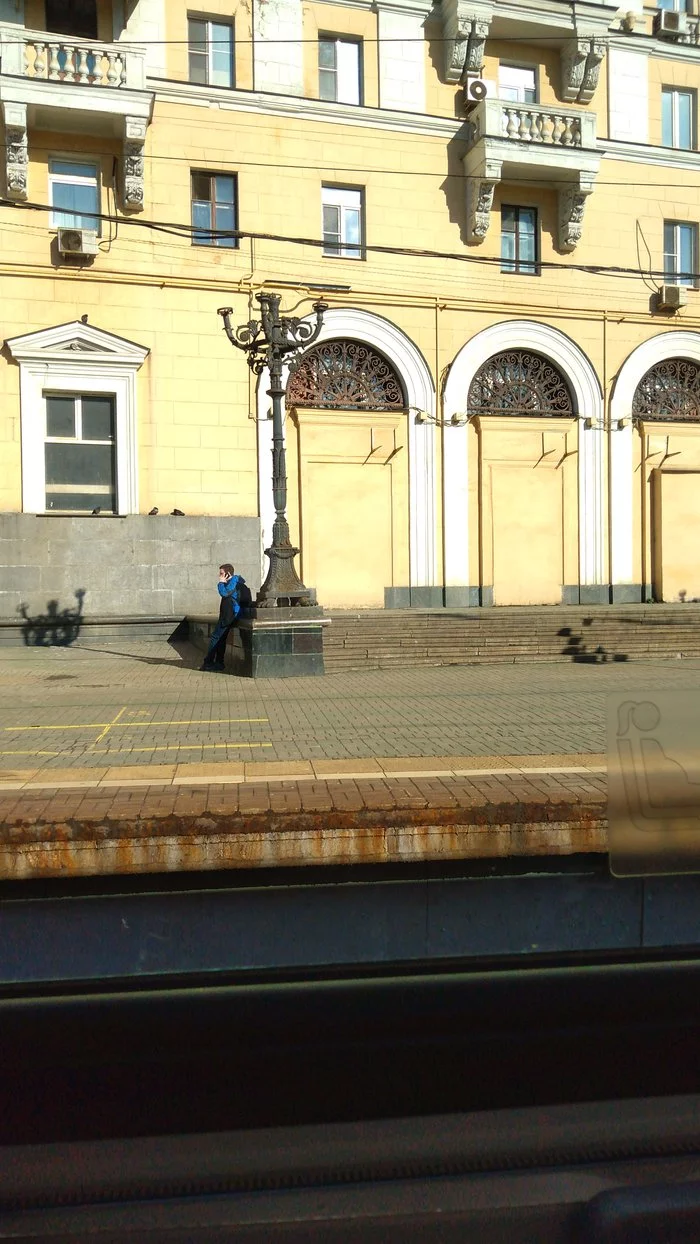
207, 668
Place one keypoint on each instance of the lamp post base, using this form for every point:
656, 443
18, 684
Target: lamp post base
279, 643
282, 586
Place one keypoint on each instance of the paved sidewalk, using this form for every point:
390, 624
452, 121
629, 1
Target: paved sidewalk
125, 758
136, 703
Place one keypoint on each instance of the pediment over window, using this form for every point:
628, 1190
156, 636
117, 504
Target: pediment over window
73, 340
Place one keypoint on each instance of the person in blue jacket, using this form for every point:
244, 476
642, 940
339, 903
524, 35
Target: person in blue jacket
228, 588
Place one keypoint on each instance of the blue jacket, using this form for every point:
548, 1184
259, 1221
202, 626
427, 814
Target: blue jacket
230, 607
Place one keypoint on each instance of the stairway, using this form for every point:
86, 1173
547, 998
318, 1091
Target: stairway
391, 638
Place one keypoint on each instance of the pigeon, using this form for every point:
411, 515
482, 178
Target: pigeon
180, 513
97, 510
154, 510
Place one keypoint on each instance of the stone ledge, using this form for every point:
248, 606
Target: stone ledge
32, 848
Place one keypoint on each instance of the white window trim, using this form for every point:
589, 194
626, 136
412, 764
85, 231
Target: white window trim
675, 276
346, 75
675, 92
529, 69
344, 197
209, 22
77, 358
63, 179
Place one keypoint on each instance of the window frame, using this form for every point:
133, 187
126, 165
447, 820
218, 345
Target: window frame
66, 359
218, 243
208, 56
524, 68
65, 179
78, 398
349, 41
675, 92
674, 6
672, 272
58, 27
343, 248
518, 266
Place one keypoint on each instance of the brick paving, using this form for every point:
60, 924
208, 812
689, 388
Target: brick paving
103, 747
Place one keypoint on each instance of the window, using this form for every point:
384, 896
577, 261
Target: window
339, 64
210, 52
677, 118
214, 208
519, 240
75, 195
680, 253
517, 83
72, 17
342, 222
79, 457
675, 6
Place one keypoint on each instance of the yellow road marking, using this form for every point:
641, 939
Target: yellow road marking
173, 747
18, 753
113, 751
109, 725
135, 725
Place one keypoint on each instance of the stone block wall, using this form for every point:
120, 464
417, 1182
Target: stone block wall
131, 566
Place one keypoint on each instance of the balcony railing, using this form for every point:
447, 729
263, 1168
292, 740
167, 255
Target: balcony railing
41, 56
532, 124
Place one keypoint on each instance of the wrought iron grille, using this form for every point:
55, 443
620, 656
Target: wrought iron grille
345, 375
670, 390
518, 382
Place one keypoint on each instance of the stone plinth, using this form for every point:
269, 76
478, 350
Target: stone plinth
270, 643
278, 643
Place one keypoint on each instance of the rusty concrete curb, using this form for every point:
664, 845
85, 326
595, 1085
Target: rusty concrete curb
173, 843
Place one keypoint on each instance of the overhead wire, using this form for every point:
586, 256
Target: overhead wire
188, 230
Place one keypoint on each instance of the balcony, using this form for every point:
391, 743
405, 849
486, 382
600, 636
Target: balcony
508, 142
71, 85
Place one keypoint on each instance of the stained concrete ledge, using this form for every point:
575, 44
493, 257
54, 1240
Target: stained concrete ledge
182, 843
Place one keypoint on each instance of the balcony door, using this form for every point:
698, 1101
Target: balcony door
72, 17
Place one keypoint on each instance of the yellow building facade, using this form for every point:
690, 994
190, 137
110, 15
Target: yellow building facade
498, 201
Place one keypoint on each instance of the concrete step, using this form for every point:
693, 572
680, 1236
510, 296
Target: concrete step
390, 639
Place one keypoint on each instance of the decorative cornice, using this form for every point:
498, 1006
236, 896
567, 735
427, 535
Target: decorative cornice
572, 202
480, 191
465, 29
16, 151
133, 192
580, 68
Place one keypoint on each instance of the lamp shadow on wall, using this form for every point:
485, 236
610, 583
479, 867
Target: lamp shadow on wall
584, 653
55, 628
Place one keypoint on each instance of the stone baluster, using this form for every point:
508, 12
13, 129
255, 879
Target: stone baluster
557, 130
512, 124
54, 63
27, 59
39, 60
112, 69
68, 62
567, 137
83, 71
537, 129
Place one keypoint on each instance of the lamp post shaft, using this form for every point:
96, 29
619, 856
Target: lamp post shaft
266, 344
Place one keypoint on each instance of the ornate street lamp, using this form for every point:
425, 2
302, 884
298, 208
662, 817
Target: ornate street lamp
267, 343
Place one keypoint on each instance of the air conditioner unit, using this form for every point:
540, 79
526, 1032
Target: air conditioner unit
77, 242
475, 89
669, 24
671, 298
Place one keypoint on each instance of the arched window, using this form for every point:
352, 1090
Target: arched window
345, 375
519, 382
669, 390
